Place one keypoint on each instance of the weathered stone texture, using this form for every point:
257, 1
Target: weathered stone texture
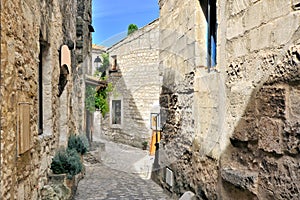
26, 27
245, 116
137, 83
188, 141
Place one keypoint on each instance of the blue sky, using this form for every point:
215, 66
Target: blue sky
112, 17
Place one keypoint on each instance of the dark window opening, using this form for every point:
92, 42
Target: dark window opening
115, 63
40, 90
210, 11
62, 79
116, 111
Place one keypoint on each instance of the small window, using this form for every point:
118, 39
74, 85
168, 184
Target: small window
209, 9
212, 33
116, 112
40, 90
114, 63
45, 124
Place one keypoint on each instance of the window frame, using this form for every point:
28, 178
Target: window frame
111, 112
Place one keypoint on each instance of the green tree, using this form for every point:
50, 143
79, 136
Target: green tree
132, 28
98, 100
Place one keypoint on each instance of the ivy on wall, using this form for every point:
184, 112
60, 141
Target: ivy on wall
97, 100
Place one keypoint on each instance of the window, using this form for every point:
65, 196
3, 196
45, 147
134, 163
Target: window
211, 34
45, 123
115, 63
116, 112
210, 11
40, 90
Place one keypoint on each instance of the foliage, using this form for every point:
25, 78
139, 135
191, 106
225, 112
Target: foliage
78, 143
101, 99
98, 99
105, 61
85, 141
90, 98
132, 28
66, 161
144, 143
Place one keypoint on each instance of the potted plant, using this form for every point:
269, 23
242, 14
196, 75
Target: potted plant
66, 161
144, 144
79, 143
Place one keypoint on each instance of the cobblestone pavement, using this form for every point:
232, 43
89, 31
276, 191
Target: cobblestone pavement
119, 172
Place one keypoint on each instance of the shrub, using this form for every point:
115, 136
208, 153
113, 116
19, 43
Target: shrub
85, 141
66, 162
79, 143
132, 28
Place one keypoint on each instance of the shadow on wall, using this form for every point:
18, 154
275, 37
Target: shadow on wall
135, 106
263, 158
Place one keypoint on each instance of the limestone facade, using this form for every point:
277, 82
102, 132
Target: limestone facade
232, 129
39, 97
135, 83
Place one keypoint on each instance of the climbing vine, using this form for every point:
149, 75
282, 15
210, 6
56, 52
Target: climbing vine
98, 100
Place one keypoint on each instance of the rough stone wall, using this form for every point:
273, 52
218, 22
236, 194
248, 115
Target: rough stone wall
24, 24
84, 61
185, 84
136, 83
223, 125
262, 79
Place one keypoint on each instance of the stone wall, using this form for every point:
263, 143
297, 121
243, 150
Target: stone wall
28, 28
137, 83
189, 134
262, 79
84, 60
222, 124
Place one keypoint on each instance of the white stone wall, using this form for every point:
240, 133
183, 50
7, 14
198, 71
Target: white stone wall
137, 83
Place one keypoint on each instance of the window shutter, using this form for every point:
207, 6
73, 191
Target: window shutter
24, 134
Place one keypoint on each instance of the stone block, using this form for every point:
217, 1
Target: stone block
281, 176
294, 104
188, 196
274, 9
271, 102
261, 37
235, 27
238, 6
285, 28
239, 47
270, 139
245, 130
291, 139
254, 16
247, 180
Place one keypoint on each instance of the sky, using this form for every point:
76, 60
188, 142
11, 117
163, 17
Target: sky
111, 18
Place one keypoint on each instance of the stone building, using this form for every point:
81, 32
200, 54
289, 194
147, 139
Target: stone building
231, 91
134, 76
96, 117
45, 48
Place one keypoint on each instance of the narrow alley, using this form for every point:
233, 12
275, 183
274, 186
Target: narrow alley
117, 171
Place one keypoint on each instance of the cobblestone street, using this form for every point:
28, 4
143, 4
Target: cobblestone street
118, 172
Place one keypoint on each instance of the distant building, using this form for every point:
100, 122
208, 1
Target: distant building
134, 75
